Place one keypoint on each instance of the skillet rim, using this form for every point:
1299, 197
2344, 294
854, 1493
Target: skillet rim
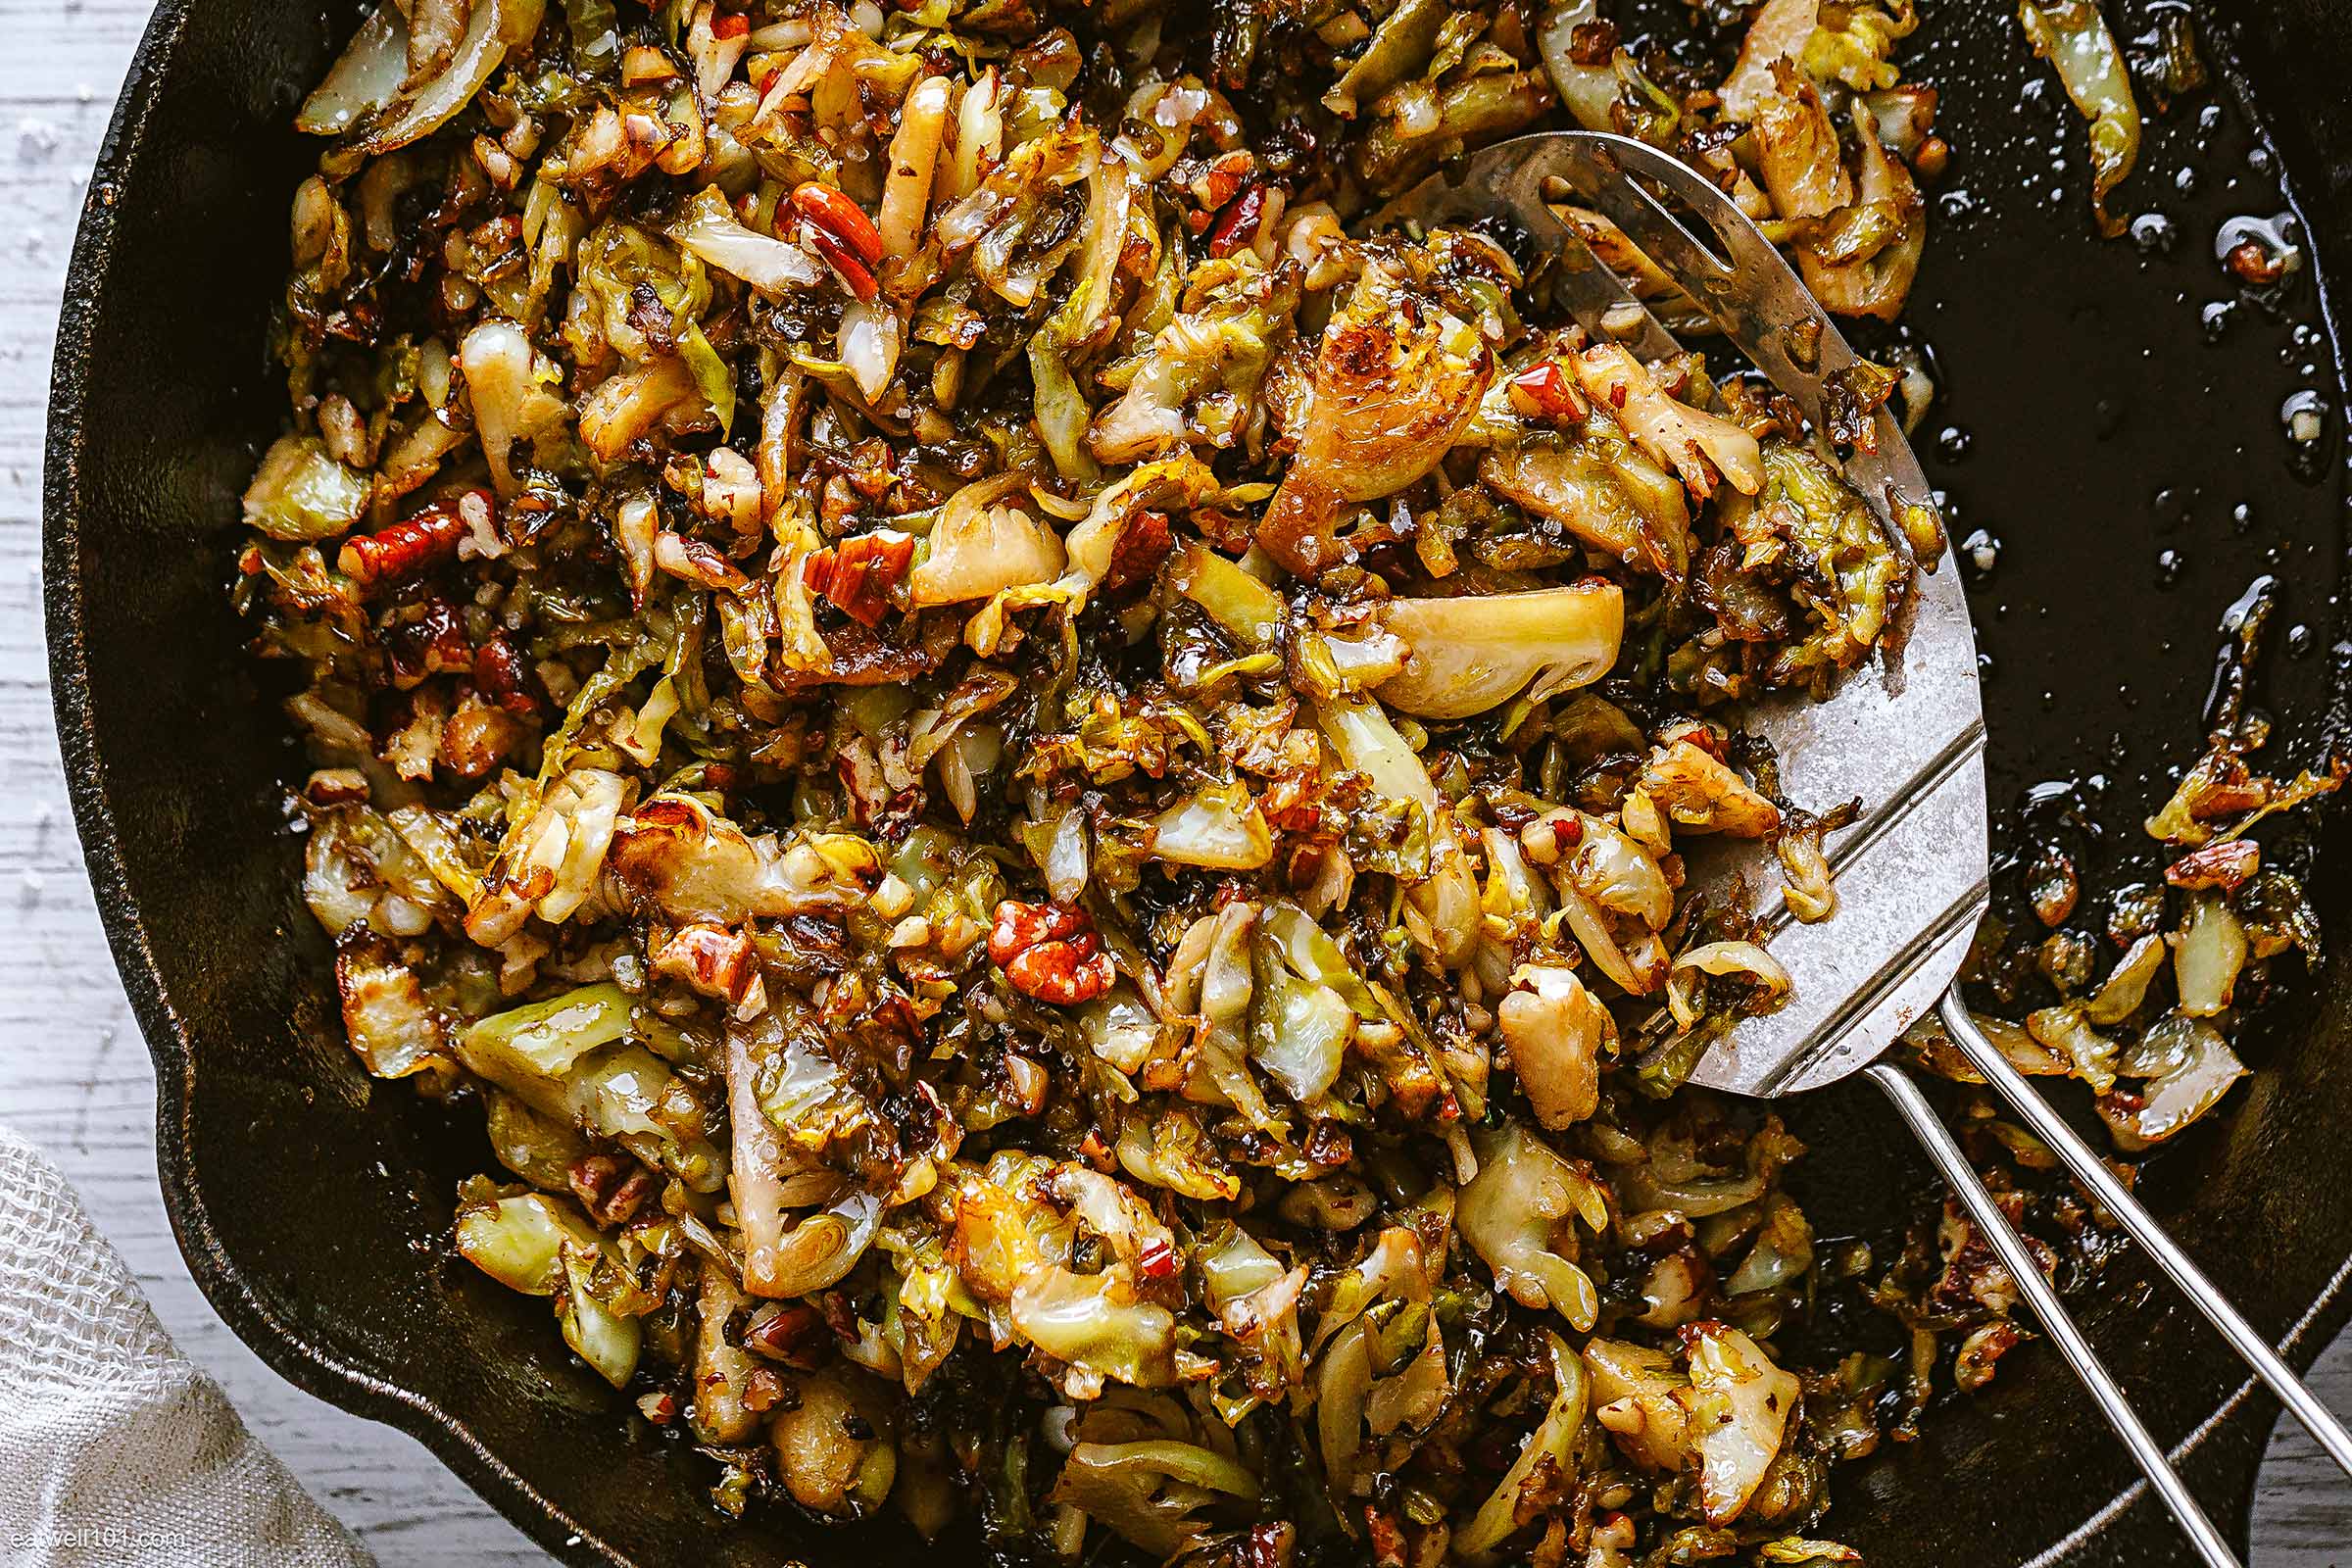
351, 1387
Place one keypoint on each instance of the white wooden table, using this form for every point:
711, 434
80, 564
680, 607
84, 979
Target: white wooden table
74, 1073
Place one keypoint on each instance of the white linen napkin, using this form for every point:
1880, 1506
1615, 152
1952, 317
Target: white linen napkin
114, 1450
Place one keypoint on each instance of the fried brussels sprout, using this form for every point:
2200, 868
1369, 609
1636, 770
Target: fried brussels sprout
1052, 801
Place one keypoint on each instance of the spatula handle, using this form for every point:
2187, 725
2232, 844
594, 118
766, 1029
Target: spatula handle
2052, 1316
2096, 1179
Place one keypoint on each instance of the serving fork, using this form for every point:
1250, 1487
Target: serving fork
1904, 735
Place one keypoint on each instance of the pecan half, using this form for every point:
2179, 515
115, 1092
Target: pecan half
1062, 973
409, 548
1049, 953
840, 218
1020, 926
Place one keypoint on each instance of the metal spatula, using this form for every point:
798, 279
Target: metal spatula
1911, 873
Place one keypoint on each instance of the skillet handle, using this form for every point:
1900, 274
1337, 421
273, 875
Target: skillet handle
2022, 1265
2096, 1179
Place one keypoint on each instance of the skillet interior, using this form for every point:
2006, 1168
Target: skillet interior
313, 1211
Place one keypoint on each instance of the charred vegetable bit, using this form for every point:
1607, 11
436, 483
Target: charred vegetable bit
1033, 792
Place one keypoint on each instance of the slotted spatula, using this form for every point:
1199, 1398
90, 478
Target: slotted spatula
1910, 742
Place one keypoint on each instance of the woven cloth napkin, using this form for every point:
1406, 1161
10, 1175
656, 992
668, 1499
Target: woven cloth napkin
114, 1450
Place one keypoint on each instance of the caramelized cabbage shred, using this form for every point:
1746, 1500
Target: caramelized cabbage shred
1031, 789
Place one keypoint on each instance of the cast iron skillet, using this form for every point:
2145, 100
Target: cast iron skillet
313, 1207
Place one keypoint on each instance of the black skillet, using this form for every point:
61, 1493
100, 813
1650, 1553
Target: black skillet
2099, 430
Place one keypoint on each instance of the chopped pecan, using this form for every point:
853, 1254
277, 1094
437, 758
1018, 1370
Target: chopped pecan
765, 1390
794, 1333
1328, 1143
426, 640
610, 1187
710, 958
1697, 731
1049, 954
477, 736
409, 548
1155, 1259
1591, 44
336, 786
1220, 182
2225, 865
859, 573
502, 677
2052, 885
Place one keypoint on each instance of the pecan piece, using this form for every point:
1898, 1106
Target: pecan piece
1219, 183
1020, 926
841, 236
1238, 224
408, 549
503, 678
711, 959
1062, 973
426, 640
1142, 544
794, 1333
1049, 954
610, 1187
2225, 865
855, 276
477, 736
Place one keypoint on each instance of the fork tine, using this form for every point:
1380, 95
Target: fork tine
2026, 1269
1758, 301
1509, 180
1905, 736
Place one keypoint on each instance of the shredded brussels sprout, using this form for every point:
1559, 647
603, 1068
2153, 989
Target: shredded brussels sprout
1034, 787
